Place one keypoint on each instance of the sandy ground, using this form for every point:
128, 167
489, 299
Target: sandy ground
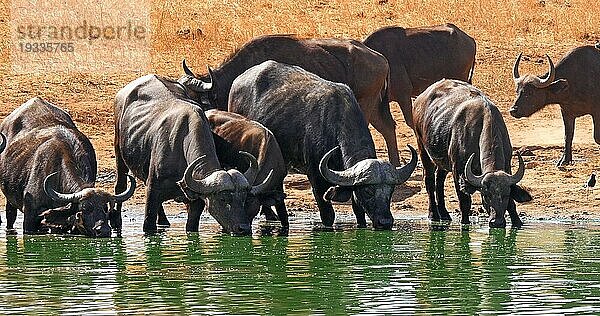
558, 193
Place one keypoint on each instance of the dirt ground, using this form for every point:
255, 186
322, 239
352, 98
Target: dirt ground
558, 193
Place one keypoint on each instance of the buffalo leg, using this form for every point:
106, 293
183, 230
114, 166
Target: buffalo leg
514, 216
569, 122
162, 217
319, 187
359, 212
440, 179
464, 200
384, 124
405, 104
282, 214
11, 216
116, 221
429, 172
194, 209
400, 90
267, 211
153, 203
596, 129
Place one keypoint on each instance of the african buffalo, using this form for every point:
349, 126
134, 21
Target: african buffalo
47, 154
238, 133
162, 136
421, 56
458, 129
573, 84
316, 121
346, 61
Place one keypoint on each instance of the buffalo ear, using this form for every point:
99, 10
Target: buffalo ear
271, 198
58, 217
559, 86
338, 194
519, 194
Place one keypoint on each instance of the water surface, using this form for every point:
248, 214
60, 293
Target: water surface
543, 268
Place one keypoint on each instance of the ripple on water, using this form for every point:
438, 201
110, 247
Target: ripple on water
542, 269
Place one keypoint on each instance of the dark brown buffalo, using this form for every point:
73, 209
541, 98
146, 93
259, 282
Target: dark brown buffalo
346, 61
459, 130
421, 56
574, 84
47, 154
164, 138
319, 125
242, 134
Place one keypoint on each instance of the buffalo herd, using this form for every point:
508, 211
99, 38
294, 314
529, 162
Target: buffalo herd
225, 140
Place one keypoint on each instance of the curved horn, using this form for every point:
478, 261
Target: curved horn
343, 178
186, 69
516, 67
122, 197
3, 145
471, 178
61, 197
515, 178
194, 83
197, 186
403, 173
544, 82
252, 171
259, 188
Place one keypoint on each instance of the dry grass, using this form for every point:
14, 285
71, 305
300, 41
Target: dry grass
207, 31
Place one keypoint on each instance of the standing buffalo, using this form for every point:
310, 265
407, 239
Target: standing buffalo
316, 121
459, 129
573, 84
241, 134
47, 154
163, 136
346, 61
421, 56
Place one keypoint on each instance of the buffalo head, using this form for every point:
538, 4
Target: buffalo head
202, 92
533, 92
225, 193
497, 188
87, 212
371, 183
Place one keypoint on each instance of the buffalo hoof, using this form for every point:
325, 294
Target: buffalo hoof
494, 224
11, 231
150, 229
361, 225
563, 161
517, 224
164, 222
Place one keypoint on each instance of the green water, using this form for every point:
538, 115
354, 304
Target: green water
543, 268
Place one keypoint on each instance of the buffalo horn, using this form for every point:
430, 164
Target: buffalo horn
403, 173
343, 178
56, 196
472, 178
194, 83
516, 67
252, 171
124, 196
197, 186
544, 82
3, 145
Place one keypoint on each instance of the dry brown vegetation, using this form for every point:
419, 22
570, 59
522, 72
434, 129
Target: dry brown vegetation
205, 32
